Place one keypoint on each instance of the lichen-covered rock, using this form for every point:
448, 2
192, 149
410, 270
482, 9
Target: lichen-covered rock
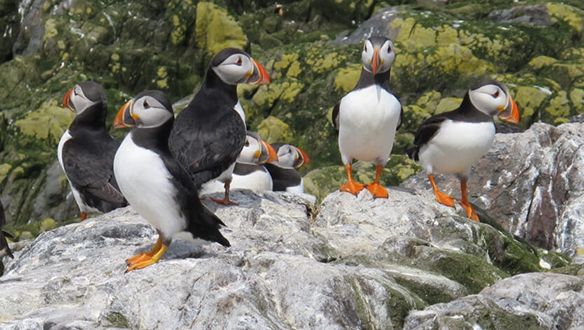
216, 30
531, 183
357, 262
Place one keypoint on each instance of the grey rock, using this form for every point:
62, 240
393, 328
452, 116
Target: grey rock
378, 25
531, 183
357, 263
533, 301
536, 15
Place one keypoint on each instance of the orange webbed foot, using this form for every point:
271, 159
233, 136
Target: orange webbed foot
470, 212
147, 260
83, 216
352, 187
224, 201
444, 199
377, 190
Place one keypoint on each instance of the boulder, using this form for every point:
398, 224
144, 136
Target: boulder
531, 183
526, 301
348, 263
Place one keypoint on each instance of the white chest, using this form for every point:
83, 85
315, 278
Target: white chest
146, 183
66, 137
239, 109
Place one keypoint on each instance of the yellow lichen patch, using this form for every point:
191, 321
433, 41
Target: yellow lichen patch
446, 35
215, 29
459, 59
577, 98
325, 63
294, 70
4, 170
447, 104
415, 36
285, 61
540, 62
50, 29
529, 99
571, 15
429, 100
559, 108
179, 29
347, 77
48, 122
273, 130
162, 81
285, 91
291, 90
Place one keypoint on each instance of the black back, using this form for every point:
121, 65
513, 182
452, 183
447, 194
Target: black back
466, 112
3, 243
88, 158
202, 223
246, 169
209, 134
283, 178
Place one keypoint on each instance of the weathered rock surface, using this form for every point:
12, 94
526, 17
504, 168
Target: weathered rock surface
532, 184
534, 301
358, 263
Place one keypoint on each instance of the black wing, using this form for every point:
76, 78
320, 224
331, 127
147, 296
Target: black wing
202, 223
89, 167
207, 143
425, 133
283, 178
401, 118
336, 115
3, 243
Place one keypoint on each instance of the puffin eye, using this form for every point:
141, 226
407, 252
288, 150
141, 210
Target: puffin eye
146, 105
496, 94
246, 143
239, 61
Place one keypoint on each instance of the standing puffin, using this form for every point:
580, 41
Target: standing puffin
452, 141
210, 132
86, 151
249, 171
368, 117
4, 248
155, 185
283, 170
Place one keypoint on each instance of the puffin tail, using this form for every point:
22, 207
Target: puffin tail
207, 227
4, 244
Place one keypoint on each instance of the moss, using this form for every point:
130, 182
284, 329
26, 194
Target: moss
117, 320
48, 224
540, 62
47, 123
4, 171
215, 29
530, 100
558, 109
577, 99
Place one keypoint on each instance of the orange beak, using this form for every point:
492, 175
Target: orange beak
272, 156
304, 156
123, 117
511, 113
67, 99
259, 76
375, 61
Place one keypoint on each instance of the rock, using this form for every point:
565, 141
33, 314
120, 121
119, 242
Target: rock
526, 301
357, 262
216, 29
378, 25
531, 184
536, 15
274, 130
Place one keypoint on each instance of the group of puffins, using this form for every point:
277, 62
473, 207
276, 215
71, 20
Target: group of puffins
164, 163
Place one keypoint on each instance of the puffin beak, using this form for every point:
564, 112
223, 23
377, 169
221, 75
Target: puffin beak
510, 114
259, 75
271, 153
303, 159
375, 61
124, 118
67, 99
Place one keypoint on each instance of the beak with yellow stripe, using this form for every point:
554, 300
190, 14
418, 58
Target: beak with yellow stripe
378, 55
148, 109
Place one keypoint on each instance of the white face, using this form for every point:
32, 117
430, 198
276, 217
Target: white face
489, 99
251, 152
287, 156
78, 101
236, 69
385, 53
149, 112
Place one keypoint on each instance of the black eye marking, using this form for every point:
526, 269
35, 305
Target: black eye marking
146, 105
246, 143
239, 61
496, 94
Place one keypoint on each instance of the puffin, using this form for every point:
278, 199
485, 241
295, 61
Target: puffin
210, 132
367, 117
249, 171
452, 142
283, 170
86, 151
153, 182
4, 248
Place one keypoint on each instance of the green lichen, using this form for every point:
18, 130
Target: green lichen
569, 14
46, 123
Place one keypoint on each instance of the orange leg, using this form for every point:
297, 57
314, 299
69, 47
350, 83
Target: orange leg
376, 189
470, 212
225, 200
441, 197
82, 216
151, 260
144, 256
351, 186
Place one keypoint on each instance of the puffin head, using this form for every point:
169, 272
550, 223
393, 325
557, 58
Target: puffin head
290, 156
148, 109
83, 96
234, 66
377, 55
256, 150
493, 98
